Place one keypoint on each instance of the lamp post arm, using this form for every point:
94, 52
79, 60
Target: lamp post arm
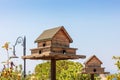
18, 41
14, 50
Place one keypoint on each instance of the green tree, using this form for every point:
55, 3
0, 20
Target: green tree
117, 58
65, 70
117, 75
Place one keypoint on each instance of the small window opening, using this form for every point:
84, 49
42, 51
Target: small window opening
44, 44
94, 70
40, 51
64, 51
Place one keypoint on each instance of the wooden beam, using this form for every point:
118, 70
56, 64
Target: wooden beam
53, 69
92, 76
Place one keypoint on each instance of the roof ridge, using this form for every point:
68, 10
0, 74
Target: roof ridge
92, 58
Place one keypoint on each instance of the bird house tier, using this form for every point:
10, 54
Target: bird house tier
93, 66
54, 44
59, 50
93, 70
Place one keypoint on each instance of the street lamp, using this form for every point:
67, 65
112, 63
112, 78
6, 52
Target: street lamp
20, 40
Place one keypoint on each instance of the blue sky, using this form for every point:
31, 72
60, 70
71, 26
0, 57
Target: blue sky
94, 26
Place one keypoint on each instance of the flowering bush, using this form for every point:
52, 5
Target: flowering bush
113, 77
11, 74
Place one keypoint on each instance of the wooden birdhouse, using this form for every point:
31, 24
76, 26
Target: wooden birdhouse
54, 44
93, 66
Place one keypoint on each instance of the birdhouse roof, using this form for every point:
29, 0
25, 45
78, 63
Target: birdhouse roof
50, 33
90, 59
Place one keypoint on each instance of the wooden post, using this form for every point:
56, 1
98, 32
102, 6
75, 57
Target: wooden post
92, 76
53, 69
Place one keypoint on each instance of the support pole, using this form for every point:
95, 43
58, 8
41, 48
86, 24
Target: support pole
92, 76
24, 54
53, 69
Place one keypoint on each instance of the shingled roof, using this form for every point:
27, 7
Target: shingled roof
92, 58
50, 33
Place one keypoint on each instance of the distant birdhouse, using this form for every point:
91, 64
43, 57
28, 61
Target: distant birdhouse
54, 44
93, 66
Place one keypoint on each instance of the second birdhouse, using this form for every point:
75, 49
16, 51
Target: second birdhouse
93, 66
